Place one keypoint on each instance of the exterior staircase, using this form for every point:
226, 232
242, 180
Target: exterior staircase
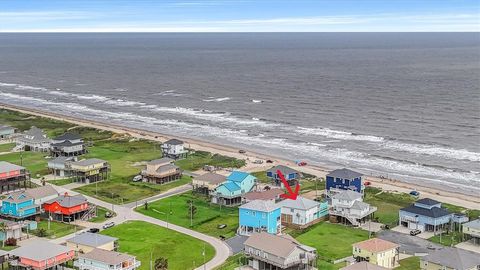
89, 213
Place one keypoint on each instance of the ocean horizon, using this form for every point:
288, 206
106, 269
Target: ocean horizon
398, 105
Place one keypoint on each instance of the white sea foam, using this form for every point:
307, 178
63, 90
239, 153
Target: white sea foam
433, 150
337, 134
257, 101
217, 99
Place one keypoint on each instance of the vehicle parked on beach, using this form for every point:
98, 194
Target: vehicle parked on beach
414, 193
302, 163
242, 151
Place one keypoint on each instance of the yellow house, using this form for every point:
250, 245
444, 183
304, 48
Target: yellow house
450, 259
89, 170
86, 242
377, 251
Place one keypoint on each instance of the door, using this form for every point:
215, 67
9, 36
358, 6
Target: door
287, 219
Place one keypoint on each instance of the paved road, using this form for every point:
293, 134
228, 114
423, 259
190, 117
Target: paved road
126, 212
169, 193
408, 244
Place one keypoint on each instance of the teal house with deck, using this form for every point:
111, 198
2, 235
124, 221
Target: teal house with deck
259, 216
236, 184
19, 205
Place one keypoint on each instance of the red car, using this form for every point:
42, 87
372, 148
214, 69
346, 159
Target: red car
302, 163
367, 183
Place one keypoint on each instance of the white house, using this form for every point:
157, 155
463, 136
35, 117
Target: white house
174, 149
67, 144
302, 212
6, 131
33, 139
349, 205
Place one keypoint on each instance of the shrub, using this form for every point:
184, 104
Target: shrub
11, 241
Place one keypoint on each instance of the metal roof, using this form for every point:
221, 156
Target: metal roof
279, 245
344, 174
68, 136
173, 142
91, 239
87, 162
238, 176
454, 258
39, 250
435, 212
8, 167
260, 205
300, 203
106, 256
348, 195
284, 169
427, 201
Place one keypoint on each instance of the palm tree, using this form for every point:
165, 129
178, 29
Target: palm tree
3, 229
161, 264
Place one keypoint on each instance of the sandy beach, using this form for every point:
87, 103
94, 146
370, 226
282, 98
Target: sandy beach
392, 185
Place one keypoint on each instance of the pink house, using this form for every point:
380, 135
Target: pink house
41, 255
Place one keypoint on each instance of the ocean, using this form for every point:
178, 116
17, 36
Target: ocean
398, 105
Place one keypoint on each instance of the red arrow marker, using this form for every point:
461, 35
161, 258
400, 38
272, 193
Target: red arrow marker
291, 195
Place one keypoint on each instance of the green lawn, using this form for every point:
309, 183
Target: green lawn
447, 239
101, 215
233, 262
388, 204
332, 241
57, 229
7, 248
6, 147
206, 220
197, 160
262, 177
471, 213
143, 239
411, 263
60, 182
33, 161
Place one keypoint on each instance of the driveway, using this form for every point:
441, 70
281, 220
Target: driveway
236, 243
408, 244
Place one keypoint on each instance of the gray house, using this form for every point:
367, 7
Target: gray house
67, 144
60, 167
6, 131
451, 258
267, 251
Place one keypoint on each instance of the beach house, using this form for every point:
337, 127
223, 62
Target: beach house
363, 266
207, 183
450, 259
6, 132
230, 192
302, 212
13, 229
67, 144
12, 176
161, 171
60, 166
68, 208
471, 231
86, 242
259, 216
40, 255
343, 179
347, 206
291, 176
100, 259
174, 149
377, 251
42, 194
19, 205
267, 251
89, 170
33, 139
425, 215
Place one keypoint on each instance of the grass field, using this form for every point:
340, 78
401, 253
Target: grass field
206, 220
388, 204
332, 241
57, 229
143, 239
411, 263
199, 159
262, 177
6, 147
447, 239
232, 262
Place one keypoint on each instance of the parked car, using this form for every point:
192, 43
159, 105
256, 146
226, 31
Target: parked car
269, 161
108, 215
108, 225
242, 151
258, 161
302, 163
222, 226
137, 178
415, 193
94, 230
415, 232
367, 183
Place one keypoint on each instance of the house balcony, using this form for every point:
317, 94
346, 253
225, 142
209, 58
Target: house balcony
297, 262
17, 262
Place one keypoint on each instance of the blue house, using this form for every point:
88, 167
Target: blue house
258, 216
19, 205
343, 179
292, 176
231, 191
425, 215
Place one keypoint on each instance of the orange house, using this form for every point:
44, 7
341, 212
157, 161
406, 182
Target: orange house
40, 255
66, 205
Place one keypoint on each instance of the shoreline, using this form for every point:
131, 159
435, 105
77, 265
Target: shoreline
452, 197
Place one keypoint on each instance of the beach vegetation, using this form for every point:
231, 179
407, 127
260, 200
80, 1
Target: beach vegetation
147, 241
198, 159
388, 204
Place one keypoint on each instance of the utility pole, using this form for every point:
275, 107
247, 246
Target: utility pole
151, 259
191, 213
203, 253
